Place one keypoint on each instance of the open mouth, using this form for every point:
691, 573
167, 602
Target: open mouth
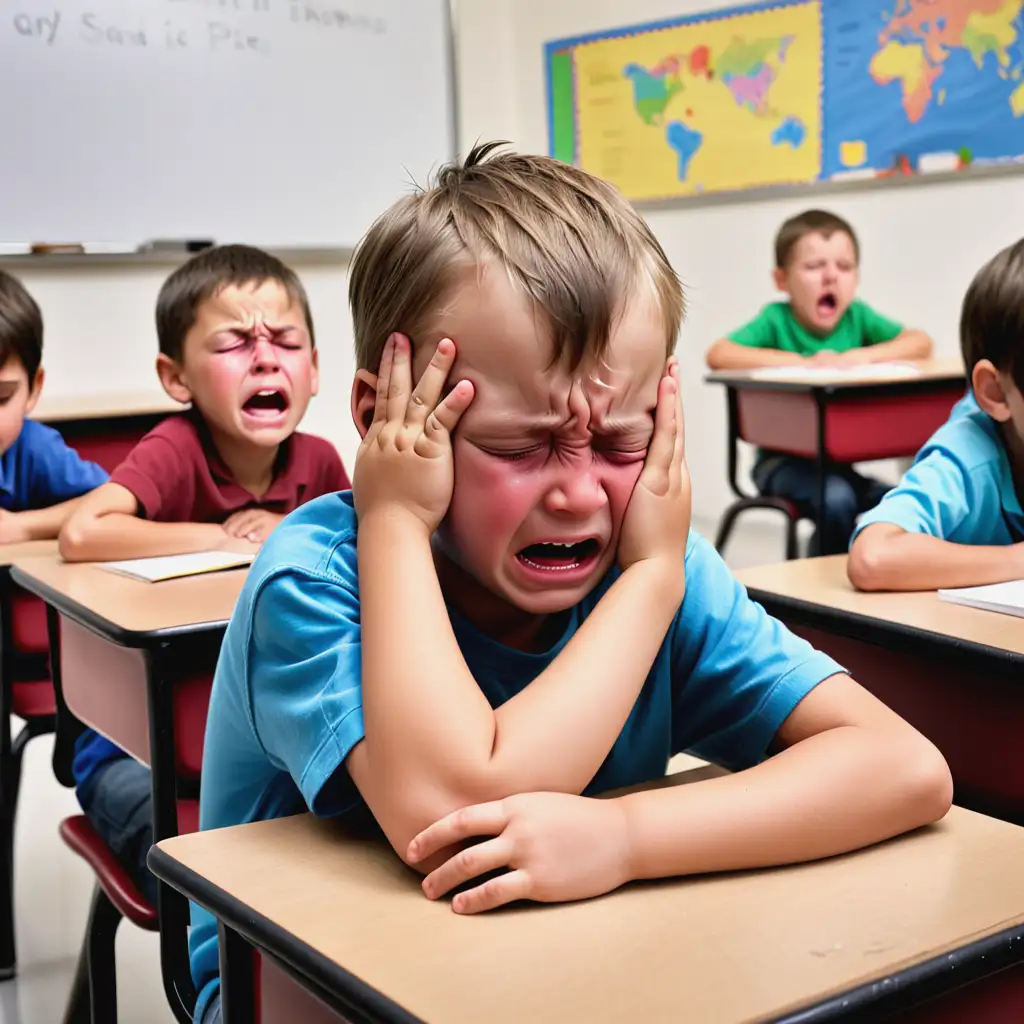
268, 403
827, 305
555, 556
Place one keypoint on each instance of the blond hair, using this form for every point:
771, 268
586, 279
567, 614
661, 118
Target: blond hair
569, 240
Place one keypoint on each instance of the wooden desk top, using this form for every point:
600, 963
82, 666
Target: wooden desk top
11, 553
131, 612
748, 946
819, 588
930, 371
103, 406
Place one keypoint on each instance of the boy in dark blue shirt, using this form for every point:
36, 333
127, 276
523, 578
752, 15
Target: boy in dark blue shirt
41, 478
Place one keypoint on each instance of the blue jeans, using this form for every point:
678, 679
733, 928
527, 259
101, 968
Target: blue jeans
118, 801
847, 495
212, 1015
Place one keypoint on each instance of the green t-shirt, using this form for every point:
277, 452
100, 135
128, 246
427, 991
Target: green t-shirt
776, 327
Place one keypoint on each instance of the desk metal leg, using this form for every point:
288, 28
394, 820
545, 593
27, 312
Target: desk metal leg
822, 471
237, 977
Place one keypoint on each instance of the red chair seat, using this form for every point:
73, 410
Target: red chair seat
188, 817
79, 834
33, 699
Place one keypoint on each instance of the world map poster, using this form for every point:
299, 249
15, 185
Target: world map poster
791, 91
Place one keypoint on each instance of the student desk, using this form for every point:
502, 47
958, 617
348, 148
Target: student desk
836, 420
105, 427
853, 937
955, 673
136, 662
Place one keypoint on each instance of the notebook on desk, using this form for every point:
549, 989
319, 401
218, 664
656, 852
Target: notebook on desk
1007, 598
170, 567
870, 371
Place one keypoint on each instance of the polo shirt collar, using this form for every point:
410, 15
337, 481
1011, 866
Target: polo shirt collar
291, 467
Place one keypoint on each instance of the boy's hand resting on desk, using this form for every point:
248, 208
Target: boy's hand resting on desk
252, 524
404, 464
12, 528
657, 520
555, 847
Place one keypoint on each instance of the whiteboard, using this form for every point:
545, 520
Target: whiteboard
283, 123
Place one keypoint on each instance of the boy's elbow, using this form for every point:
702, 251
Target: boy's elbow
715, 356
928, 782
72, 541
865, 566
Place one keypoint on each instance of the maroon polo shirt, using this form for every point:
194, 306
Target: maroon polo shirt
177, 476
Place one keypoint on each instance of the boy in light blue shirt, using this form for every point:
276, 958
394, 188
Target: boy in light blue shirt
955, 519
508, 616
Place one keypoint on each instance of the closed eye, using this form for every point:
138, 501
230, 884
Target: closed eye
515, 456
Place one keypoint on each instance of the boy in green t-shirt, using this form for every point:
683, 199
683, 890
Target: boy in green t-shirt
823, 324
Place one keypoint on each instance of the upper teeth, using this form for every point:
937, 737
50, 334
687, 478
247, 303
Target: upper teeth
562, 543
267, 393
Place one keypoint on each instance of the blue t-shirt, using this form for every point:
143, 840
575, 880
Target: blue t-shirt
959, 488
40, 470
286, 707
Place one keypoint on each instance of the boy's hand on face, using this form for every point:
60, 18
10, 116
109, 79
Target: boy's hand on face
252, 524
657, 520
553, 846
404, 465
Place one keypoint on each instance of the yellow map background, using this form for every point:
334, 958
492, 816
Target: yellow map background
736, 149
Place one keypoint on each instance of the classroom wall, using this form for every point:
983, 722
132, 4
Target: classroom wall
921, 245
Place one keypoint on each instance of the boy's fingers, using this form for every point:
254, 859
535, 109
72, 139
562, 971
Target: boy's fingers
446, 416
472, 862
400, 384
475, 820
496, 892
659, 454
428, 391
380, 408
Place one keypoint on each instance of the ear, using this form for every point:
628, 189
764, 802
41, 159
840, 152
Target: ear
779, 279
314, 376
172, 379
989, 392
364, 398
35, 389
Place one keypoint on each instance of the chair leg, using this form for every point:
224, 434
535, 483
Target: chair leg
10, 786
78, 1010
792, 550
104, 918
725, 528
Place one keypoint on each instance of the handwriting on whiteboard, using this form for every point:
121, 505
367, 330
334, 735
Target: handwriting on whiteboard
158, 30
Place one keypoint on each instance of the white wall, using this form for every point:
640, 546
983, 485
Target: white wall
921, 244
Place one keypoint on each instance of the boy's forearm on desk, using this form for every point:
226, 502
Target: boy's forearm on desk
831, 793
907, 345
729, 355
119, 536
425, 715
885, 557
43, 523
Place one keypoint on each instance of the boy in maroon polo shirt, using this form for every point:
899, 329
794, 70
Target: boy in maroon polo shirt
236, 341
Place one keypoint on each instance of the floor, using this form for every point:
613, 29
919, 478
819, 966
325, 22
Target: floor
54, 887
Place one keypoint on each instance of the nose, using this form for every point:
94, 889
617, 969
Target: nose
577, 491
264, 354
829, 272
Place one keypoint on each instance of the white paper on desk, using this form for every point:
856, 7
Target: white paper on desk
871, 371
1007, 598
169, 567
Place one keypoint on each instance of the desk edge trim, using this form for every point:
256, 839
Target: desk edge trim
262, 933
102, 626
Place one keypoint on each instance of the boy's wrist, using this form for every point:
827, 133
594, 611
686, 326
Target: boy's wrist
664, 577
393, 523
